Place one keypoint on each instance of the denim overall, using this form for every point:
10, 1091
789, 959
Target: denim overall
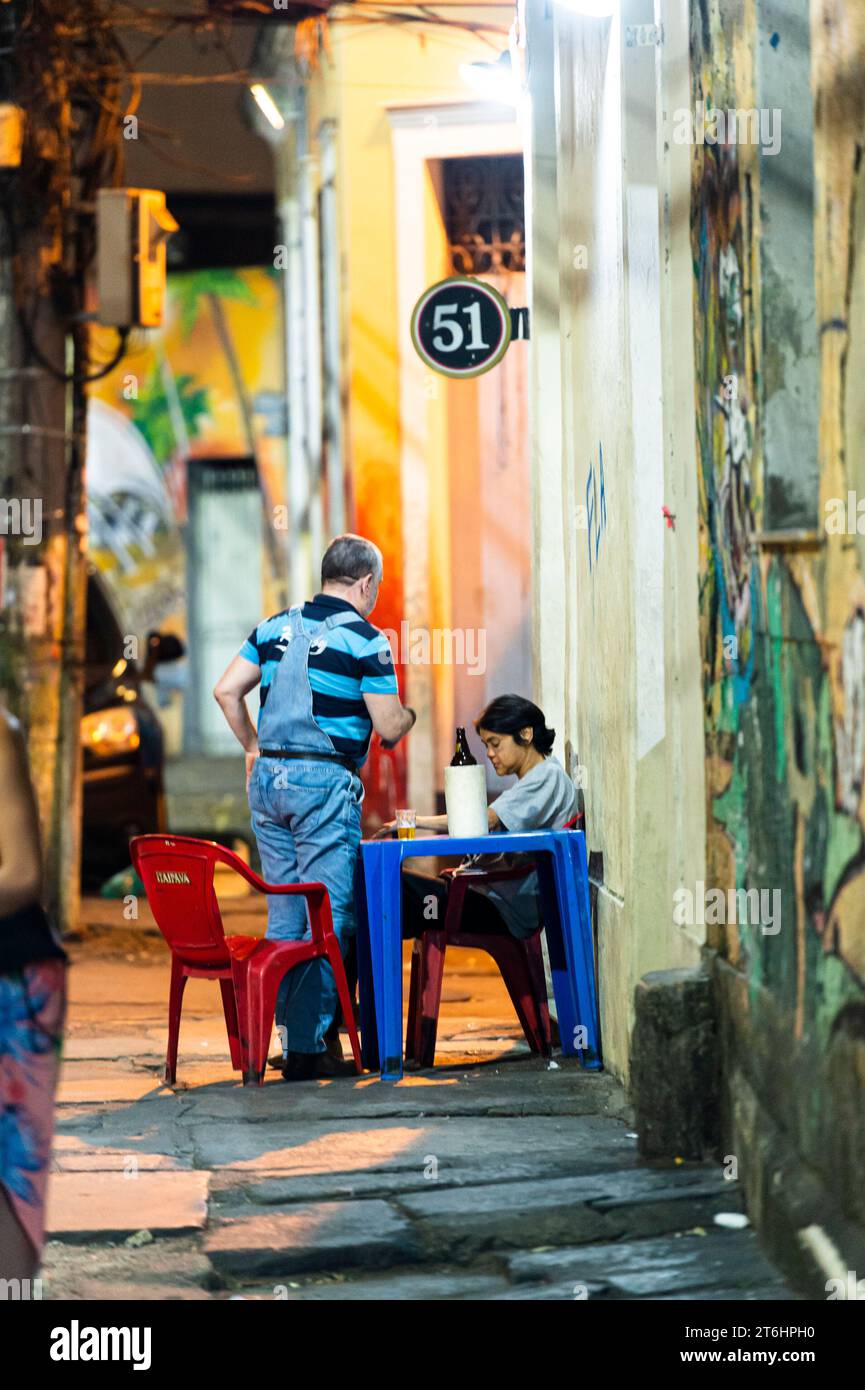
306, 817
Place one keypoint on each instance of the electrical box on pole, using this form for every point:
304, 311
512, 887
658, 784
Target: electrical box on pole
133, 225
11, 135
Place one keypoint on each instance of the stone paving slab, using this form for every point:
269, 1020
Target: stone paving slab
552, 1293
120, 1291
565, 1210
142, 1129
604, 1191
209, 1073
280, 1190
201, 1045
108, 1206
777, 1292
403, 1287
109, 1047
360, 1190
458, 1224
521, 1089
93, 990
652, 1268
78, 1087
165, 1292
74, 1155
662, 1184
478, 1143
200, 1042
593, 1293
96, 1271
320, 1235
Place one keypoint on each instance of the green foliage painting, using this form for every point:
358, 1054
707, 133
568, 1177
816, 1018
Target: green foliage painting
155, 416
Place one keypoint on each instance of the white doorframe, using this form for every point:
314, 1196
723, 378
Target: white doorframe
420, 133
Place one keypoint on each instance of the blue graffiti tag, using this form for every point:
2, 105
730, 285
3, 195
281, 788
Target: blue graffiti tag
596, 506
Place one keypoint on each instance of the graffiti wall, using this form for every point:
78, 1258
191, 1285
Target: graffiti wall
782, 613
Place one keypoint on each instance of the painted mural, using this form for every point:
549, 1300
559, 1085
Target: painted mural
210, 385
782, 625
207, 385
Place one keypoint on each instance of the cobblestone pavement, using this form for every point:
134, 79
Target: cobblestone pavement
491, 1177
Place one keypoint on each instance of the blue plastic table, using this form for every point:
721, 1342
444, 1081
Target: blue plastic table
564, 888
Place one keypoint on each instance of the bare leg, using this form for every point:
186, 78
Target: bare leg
17, 1256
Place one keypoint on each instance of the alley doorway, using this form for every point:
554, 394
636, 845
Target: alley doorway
225, 586
464, 470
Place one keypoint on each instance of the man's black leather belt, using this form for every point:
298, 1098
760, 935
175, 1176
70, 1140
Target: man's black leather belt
309, 757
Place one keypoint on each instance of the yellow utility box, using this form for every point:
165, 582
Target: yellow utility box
133, 225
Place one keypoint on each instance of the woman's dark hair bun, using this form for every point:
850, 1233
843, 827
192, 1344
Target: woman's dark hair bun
544, 739
508, 714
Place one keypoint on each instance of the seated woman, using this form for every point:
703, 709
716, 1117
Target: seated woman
515, 735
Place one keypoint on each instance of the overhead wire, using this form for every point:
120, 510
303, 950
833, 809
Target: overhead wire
68, 79
72, 73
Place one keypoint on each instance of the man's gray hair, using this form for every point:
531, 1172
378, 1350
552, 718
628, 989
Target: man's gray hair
348, 558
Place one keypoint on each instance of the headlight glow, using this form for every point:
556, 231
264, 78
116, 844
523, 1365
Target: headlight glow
109, 732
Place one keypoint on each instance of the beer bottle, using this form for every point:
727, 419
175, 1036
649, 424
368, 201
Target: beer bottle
463, 754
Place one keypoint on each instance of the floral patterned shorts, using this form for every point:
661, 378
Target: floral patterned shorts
32, 1010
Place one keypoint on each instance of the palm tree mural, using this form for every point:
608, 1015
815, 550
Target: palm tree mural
155, 416
217, 286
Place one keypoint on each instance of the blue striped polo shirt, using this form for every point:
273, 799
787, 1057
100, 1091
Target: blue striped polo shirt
356, 660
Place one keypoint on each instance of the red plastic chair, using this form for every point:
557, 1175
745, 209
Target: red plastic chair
177, 872
520, 962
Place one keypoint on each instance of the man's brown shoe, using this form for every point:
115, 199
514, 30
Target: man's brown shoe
309, 1066
332, 1044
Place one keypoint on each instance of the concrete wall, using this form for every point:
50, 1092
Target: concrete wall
782, 625
611, 447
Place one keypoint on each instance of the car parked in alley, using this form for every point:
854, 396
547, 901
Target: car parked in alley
121, 738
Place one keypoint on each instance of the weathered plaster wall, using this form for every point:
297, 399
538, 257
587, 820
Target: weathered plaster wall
783, 620
611, 635
597, 464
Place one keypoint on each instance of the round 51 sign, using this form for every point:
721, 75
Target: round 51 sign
461, 327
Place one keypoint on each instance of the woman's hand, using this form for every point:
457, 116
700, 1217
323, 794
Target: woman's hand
439, 824
386, 831
250, 764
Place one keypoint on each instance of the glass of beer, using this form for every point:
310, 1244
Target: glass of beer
406, 823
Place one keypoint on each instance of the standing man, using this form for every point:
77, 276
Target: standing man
327, 680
